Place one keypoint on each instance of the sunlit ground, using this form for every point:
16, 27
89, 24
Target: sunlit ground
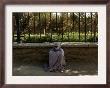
73, 68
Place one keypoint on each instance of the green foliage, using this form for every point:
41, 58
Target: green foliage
64, 26
73, 37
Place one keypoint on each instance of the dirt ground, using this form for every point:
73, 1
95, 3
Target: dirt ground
73, 68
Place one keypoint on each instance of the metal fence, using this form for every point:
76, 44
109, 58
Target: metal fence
55, 26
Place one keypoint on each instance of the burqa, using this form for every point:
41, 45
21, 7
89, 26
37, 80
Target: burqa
56, 58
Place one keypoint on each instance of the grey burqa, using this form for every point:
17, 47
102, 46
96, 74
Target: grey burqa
56, 58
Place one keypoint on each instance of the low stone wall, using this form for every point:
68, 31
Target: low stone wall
28, 53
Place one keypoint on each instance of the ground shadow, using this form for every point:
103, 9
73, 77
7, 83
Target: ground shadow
73, 67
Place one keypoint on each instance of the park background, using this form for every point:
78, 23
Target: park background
34, 33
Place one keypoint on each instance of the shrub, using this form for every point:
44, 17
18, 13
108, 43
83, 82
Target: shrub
36, 38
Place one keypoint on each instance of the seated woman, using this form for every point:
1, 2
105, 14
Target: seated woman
56, 58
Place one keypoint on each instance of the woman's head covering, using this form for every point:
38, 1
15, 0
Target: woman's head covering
57, 44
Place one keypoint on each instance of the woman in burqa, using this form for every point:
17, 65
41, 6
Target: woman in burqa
56, 58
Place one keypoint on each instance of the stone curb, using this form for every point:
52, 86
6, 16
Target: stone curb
33, 45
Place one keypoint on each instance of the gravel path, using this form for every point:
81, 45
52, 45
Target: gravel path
73, 68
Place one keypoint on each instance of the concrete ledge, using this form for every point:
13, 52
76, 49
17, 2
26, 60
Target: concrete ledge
38, 52
33, 45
